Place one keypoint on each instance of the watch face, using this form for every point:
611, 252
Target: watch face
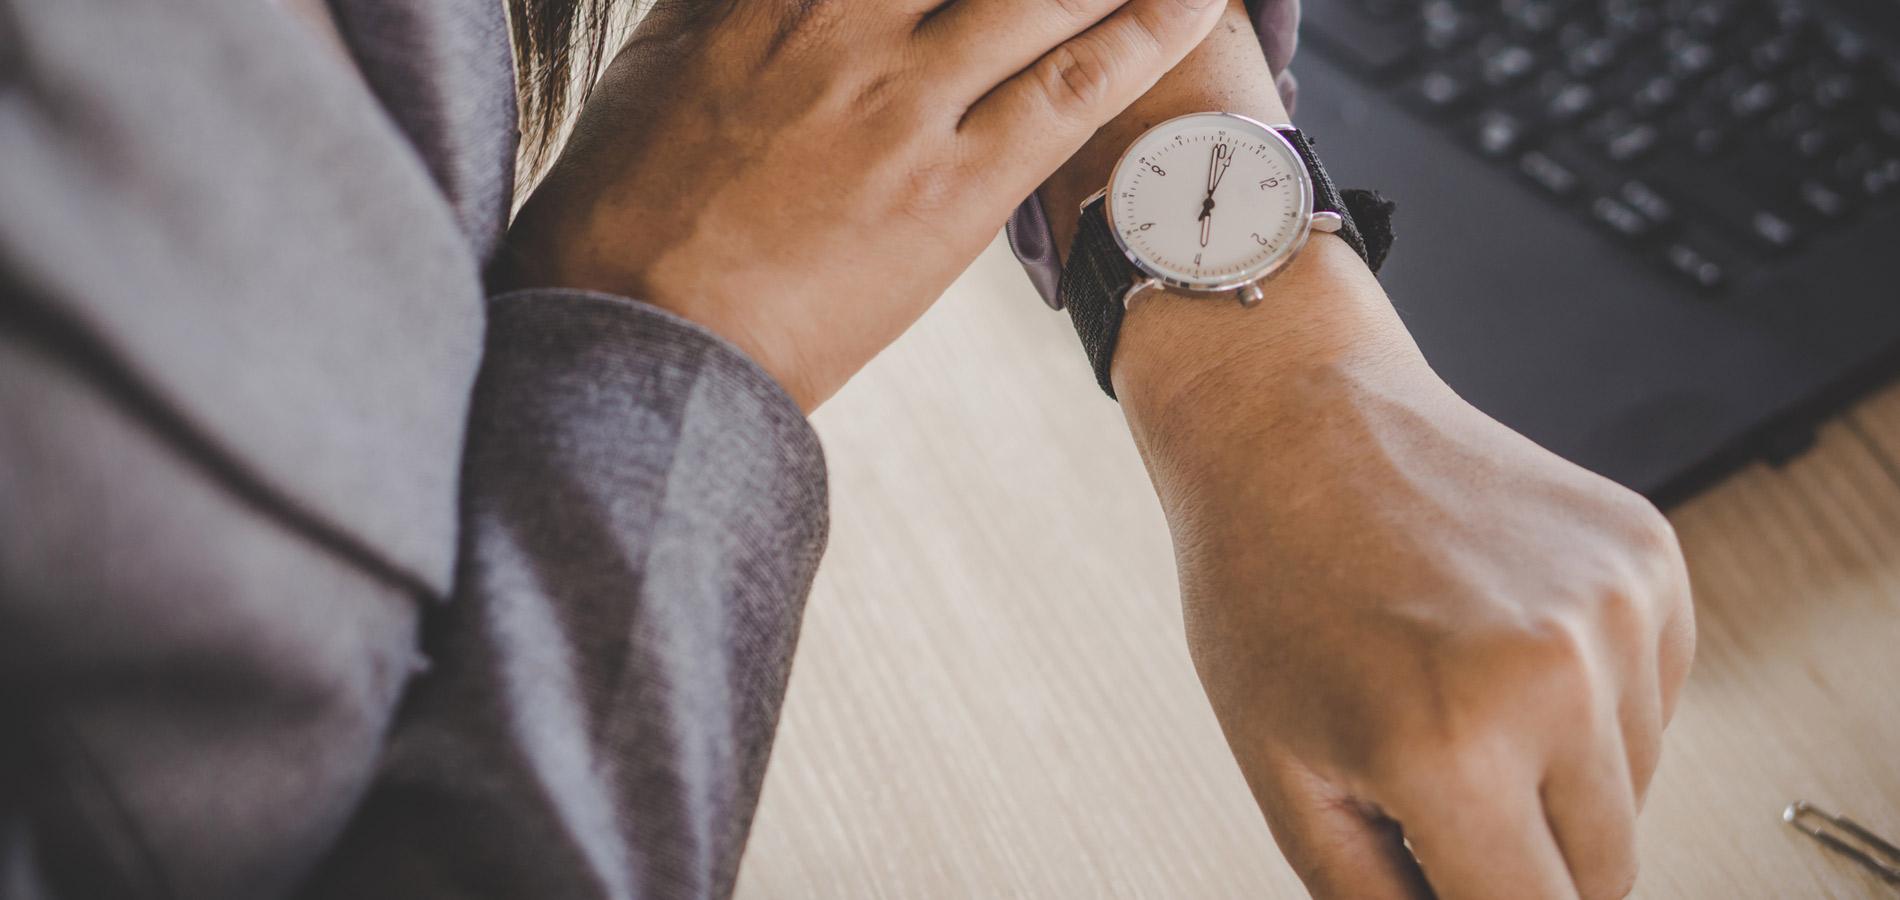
1210, 201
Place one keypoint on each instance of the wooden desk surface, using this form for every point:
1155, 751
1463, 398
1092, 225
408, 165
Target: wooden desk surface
993, 699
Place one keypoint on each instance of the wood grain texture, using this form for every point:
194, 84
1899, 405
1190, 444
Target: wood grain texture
993, 698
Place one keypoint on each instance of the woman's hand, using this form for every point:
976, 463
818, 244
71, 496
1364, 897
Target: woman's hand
1415, 625
804, 177
1411, 621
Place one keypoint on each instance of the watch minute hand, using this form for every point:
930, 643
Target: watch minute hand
1225, 154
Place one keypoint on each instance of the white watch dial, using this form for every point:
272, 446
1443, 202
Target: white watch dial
1210, 201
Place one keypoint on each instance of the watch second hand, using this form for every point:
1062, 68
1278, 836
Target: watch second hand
1216, 168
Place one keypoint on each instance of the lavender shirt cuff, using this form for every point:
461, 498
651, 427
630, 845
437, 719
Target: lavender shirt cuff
1277, 22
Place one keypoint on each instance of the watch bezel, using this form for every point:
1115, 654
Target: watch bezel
1268, 267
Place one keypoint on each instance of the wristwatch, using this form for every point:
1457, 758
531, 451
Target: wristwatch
1211, 205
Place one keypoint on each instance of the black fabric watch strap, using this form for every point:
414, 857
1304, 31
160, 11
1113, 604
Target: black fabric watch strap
1097, 275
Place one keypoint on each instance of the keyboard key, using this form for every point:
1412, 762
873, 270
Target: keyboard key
1441, 92
1774, 54
1591, 58
1774, 229
1619, 218
1560, 180
1530, 18
1656, 94
1508, 65
1499, 134
1835, 90
1711, 16
1822, 200
1632, 143
1689, 57
1816, 142
1639, 196
1447, 27
1629, 18
1697, 261
1754, 99
1570, 102
1846, 44
1704, 129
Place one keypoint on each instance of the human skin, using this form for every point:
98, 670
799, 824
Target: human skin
1409, 620
805, 178
1414, 624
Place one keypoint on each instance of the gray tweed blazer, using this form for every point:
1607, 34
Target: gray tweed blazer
322, 573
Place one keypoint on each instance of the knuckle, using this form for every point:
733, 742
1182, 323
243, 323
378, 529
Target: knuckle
1444, 766
1652, 533
1073, 12
1562, 655
1147, 32
1624, 614
1652, 579
1648, 537
1426, 759
1077, 77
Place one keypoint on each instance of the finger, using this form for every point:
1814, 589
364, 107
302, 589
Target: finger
979, 44
1676, 650
1041, 116
1592, 813
1480, 838
1340, 848
1640, 719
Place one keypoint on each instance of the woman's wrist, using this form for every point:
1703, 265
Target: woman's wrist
1187, 365
1197, 377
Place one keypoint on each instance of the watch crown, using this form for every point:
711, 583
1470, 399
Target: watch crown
1250, 294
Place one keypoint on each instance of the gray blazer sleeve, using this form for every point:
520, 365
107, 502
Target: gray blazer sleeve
587, 715
643, 510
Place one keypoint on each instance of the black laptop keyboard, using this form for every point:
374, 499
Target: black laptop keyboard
1715, 136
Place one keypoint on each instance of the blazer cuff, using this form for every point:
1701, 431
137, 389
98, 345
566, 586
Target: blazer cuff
602, 359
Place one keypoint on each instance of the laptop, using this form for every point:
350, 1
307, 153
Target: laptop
1659, 237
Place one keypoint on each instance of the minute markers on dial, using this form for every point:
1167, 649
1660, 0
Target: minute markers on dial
1151, 212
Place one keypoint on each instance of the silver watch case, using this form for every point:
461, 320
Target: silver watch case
1245, 287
